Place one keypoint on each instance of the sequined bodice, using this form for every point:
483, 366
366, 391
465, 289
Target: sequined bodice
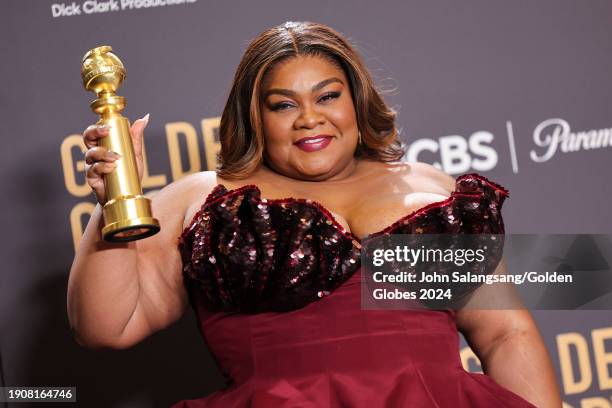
244, 253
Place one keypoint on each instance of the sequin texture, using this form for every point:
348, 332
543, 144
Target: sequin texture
243, 253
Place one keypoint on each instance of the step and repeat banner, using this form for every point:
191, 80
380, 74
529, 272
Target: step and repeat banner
516, 91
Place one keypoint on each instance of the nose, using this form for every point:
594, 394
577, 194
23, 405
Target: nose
309, 118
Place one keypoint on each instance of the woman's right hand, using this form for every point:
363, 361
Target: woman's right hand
100, 161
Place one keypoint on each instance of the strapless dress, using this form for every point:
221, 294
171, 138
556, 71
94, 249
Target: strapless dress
275, 285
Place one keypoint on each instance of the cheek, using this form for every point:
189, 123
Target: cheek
275, 127
276, 136
344, 116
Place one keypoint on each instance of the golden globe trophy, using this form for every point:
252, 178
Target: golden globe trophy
127, 212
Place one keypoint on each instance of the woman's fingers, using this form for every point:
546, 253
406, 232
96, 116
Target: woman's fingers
137, 133
99, 154
100, 161
93, 133
98, 169
94, 173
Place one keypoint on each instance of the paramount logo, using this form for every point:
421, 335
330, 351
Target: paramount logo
107, 6
555, 134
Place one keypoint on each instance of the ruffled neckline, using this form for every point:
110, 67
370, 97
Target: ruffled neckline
220, 193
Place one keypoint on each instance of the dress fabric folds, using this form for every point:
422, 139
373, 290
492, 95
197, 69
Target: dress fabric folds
276, 287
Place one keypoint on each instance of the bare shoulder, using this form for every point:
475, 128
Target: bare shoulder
434, 174
187, 187
175, 201
417, 177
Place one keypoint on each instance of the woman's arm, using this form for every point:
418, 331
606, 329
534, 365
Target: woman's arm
511, 350
120, 293
507, 342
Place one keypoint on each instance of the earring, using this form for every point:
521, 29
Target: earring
359, 137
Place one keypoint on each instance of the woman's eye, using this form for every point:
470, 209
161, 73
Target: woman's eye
328, 96
286, 105
280, 106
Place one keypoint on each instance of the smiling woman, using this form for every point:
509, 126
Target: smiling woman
309, 132
270, 260
269, 98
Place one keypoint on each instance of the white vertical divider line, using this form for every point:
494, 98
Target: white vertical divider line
512, 147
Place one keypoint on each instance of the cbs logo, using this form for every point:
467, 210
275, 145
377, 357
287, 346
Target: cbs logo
455, 154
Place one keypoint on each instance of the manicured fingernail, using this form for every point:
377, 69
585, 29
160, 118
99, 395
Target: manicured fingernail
113, 155
145, 118
103, 128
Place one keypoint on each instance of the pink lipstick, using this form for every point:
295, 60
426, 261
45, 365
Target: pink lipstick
314, 143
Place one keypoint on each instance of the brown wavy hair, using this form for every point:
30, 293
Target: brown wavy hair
241, 128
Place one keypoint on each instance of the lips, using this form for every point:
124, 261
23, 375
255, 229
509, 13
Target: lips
314, 143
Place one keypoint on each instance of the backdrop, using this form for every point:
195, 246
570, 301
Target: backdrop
517, 91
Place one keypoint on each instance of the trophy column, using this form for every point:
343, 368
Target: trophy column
127, 212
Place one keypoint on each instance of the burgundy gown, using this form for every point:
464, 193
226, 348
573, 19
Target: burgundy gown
275, 284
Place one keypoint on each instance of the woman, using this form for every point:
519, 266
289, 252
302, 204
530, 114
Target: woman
270, 260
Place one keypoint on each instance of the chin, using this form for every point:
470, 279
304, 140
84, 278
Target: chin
315, 173
315, 168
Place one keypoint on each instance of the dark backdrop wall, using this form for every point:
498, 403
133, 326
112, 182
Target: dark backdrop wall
517, 91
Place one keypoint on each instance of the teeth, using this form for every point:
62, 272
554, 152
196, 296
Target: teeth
314, 140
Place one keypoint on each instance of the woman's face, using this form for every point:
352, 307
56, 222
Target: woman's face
309, 120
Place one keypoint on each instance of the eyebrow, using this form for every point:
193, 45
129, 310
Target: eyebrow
289, 92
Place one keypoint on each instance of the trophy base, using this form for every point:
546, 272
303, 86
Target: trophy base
128, 218
130, 230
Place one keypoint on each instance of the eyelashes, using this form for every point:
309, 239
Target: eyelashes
280, 106
324, 98
329, 95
